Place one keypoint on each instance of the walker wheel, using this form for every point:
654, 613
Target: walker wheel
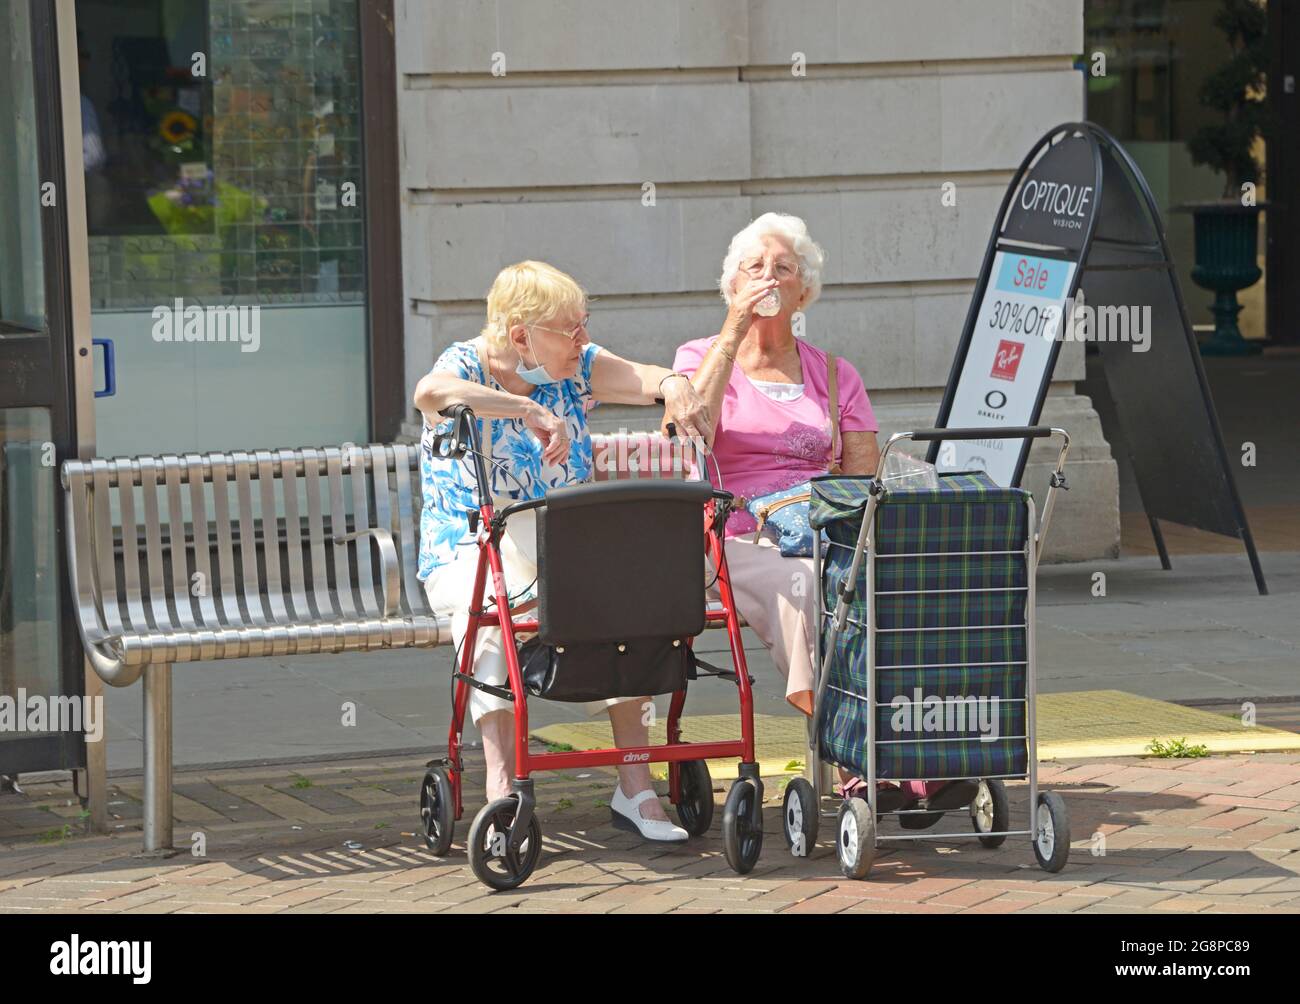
437, 809
695, 797
856, 843
742, 824
990, 812
800, 817
494, 863
1051, 832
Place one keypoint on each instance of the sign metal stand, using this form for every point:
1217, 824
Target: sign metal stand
1079, 252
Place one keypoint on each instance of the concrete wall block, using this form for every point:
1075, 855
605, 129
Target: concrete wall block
531, 137
872, 332
610, 246
820, 128
460, 36
884, 31
990, 120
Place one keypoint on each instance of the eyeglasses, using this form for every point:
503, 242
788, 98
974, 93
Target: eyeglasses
572, 333
783, 269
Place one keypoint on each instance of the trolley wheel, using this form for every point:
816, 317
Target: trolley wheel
1051, 832
990, 812
494, 863
800, 817
856, 842
437, 812
695, 798
742, 824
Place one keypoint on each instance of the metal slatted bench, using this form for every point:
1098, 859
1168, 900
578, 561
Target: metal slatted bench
238, 555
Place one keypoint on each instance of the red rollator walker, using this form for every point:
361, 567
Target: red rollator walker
620, 598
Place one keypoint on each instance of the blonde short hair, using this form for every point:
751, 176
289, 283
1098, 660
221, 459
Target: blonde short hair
530, 292
795, 231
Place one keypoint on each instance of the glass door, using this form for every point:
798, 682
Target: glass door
41, 665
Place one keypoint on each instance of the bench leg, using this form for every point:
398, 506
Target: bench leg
157, 758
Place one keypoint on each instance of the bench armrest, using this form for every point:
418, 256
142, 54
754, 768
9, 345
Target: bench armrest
387, 562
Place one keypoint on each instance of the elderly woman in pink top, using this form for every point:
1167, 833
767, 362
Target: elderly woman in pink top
766, 417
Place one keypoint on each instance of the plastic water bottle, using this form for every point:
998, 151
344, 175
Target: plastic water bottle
770, 305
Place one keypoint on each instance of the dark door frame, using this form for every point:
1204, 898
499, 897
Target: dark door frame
1282, 175
39, 373
385, 313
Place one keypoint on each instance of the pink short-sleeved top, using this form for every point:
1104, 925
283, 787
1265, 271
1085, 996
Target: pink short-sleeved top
763, 445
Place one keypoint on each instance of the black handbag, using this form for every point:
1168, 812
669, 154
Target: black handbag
642, 667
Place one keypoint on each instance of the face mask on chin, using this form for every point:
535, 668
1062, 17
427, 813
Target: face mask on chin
537, 375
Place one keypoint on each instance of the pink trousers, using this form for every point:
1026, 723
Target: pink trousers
777, 597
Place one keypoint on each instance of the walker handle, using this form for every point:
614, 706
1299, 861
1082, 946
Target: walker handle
1012, 432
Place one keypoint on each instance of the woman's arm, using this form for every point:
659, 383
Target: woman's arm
714, 372
438, 391
616, 380
859, 453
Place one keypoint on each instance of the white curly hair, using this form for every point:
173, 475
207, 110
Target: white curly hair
791, 228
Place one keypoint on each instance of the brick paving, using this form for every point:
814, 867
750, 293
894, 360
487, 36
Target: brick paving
1193, 836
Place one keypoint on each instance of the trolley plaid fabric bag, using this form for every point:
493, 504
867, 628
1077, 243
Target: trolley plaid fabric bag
950, 642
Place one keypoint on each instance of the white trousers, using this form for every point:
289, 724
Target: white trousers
449, 588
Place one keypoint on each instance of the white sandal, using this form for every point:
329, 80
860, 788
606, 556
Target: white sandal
625, 813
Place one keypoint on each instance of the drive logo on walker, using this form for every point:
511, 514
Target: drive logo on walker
1009, 353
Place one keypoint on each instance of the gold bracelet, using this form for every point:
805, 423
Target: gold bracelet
674, 373
718, 346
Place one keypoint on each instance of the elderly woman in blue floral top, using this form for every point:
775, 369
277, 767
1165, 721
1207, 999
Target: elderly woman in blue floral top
531, 375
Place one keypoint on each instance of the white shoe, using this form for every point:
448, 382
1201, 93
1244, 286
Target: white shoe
625, 813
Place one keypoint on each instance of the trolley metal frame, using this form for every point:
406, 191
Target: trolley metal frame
818, 772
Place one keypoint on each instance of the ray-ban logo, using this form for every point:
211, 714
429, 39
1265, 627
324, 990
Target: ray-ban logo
179, 323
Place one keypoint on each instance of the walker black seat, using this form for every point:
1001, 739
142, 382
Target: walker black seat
620, 589
621, 560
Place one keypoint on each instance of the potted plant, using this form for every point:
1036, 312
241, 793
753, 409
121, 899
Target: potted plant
1227, 230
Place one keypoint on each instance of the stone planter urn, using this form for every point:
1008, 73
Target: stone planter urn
1227, 244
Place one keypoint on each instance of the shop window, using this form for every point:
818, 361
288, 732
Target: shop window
222, 151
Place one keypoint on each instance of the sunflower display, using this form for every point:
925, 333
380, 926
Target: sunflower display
177, 127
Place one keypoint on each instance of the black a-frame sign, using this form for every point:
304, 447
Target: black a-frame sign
1079, 251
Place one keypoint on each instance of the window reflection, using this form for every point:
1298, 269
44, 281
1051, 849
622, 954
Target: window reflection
230, 177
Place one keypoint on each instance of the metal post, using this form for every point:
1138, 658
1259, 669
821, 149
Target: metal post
81, 365
1031, 667
96, 794
158, 758
817, 771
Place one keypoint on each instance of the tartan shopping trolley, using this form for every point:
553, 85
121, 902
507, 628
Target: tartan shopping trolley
926, 629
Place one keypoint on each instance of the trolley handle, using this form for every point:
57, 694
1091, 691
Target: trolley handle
1012, 432
1054, 483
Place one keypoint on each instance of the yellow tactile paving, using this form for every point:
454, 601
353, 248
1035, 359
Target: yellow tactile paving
1091, 723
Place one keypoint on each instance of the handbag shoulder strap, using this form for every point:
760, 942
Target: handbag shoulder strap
832, 386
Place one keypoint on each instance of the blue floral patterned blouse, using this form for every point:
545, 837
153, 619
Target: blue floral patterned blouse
449, 485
